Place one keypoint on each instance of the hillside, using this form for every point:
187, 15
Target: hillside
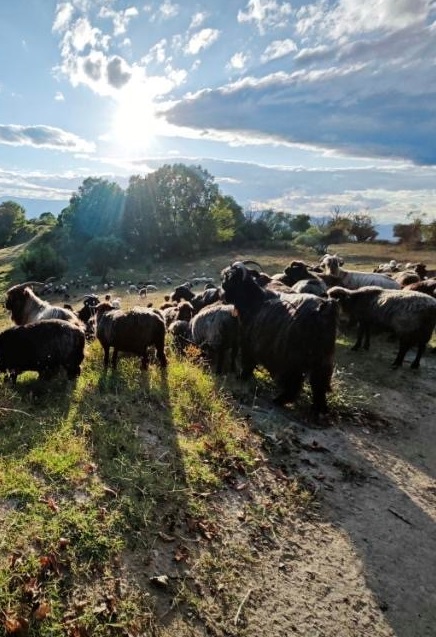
182, 504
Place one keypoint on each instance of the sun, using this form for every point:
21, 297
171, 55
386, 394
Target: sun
134, 124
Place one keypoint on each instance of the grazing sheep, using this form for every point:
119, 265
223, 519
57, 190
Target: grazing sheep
132, 331
353, 279
215, 329
406, 278
181, 333
411, 316
26, 307
183, 311
291, 336
43, 347
301, 279
90, 302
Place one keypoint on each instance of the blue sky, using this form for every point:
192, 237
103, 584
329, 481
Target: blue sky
300, 106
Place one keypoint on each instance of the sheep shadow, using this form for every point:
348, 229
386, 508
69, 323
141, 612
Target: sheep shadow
134, 437
31, 411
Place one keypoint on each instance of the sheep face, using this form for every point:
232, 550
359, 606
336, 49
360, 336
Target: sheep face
16, 302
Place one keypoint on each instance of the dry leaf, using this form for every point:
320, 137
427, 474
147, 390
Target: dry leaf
42, 611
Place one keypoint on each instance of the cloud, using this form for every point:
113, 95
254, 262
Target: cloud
43, 137
118, 73
201, 40
238, 61
278, 49
64, 15
168, 10
348, 17
266, 14
120, 19
59, 97
370, 97
197, 20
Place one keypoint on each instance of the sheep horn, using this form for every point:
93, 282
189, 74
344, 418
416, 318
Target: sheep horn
246, 261
24, 285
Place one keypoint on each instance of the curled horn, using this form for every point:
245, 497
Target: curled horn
255, 263
24, 285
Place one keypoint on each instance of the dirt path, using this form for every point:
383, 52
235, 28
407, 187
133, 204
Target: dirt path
360, 563
369, 565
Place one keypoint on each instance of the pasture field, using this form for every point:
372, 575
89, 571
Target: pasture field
180, 504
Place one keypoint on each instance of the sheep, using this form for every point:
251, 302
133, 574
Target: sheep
353, 279
181, 334
301, 279
183, 311
406, 278
43, 347
215, 329
198, 301
411, 316
90, 302
26, 307
132, 331
291, 336
428, 286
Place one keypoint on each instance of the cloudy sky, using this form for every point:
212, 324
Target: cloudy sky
299, 106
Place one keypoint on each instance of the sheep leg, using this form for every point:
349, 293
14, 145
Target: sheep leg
291, 384
144, 360
106, 357
160, 353
114, 358
219, 360
320, 380
363, 334
404, 347
419, 353
247, 362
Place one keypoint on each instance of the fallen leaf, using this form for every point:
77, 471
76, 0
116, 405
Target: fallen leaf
42, 611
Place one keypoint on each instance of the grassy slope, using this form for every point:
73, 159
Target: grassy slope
120, 495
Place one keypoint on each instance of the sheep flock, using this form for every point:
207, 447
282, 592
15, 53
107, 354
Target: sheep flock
286, 322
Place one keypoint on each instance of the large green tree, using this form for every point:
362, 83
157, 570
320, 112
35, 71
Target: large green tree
12, 219
95, 210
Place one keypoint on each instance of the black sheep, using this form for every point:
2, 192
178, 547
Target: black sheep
291, 336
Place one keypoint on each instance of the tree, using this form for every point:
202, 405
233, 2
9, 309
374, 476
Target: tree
12, 219
316, 238
362, 227
104, 253
410, 233
140, 222
96, 209
42, 261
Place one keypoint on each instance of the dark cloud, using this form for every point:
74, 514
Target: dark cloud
92, 69
117, 74
42, 137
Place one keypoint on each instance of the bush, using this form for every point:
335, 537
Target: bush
42, 261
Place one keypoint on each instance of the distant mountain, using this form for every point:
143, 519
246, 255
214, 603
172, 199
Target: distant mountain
35, 207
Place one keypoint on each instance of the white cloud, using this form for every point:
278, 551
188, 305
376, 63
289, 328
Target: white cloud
348, 17
201, 40
157, 53
168, 10
82, 34
197, 20
278, 49
120, 19
266, 14
64, 15
238, 61
59, 97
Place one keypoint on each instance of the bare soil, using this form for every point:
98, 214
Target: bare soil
360, 561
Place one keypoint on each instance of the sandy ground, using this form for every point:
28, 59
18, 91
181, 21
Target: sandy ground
362, 564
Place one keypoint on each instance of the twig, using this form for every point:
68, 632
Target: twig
247, 595
17, 411
398, 515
